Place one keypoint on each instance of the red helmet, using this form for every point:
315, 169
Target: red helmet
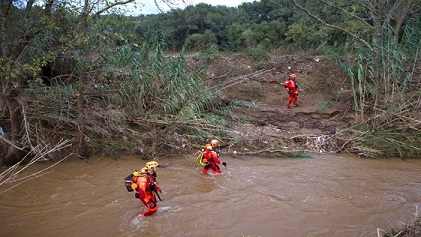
293, 76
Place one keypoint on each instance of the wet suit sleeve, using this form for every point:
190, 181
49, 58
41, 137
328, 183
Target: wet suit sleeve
215, 158
159, 189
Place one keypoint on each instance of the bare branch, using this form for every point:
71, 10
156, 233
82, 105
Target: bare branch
25, 121
10, 143
48, 7
108, 7
392, 12
170, 4
333, 26
244, 78
348, 13
11, 175
29, 5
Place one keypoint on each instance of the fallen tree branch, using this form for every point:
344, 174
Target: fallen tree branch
162, 122
11, 175
243, 78
11, 143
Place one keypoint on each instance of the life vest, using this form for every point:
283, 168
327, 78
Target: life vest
290, 85
209, 155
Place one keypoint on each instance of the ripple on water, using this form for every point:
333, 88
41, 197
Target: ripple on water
328, 196
132, 223
169, 209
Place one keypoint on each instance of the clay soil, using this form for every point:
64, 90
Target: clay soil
263, 119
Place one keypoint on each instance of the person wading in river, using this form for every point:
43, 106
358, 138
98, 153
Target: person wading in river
145, 186
291, 87
214, 143
210, 157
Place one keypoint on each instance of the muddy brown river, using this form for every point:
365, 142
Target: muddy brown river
326, 195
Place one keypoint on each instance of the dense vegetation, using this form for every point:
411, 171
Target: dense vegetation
101, 81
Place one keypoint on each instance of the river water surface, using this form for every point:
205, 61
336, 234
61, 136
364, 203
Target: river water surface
326, 195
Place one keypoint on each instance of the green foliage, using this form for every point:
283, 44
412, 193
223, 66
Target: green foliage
389, 134
278, 147
410, 43
157, 87
396, 79
258, 53
305, 33
246, 104
266, 33
198, 42
299, 154
390, 142
244, 119
259, 65
130, 75
298, 32
234, 28
323, 105
234, 36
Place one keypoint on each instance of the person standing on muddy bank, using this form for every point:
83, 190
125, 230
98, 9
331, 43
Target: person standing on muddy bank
291, 87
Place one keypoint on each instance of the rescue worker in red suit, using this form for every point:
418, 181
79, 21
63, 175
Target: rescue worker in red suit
214, 144
145, 186
211, 159
291, 87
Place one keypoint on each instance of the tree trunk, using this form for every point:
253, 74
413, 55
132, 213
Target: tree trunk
401, 15
83, 148
377, 38
14, 152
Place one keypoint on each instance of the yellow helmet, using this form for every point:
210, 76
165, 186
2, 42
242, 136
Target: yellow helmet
144, 170
151, 165
209, 148
214, 143
136, 173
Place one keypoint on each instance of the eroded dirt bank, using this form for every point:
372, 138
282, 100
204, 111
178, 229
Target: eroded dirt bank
263, 117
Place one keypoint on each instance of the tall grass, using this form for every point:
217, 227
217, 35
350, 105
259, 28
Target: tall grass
138, 99
388, 112
163, 95
156, 84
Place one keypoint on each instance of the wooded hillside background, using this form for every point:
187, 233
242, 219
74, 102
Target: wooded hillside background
82, 73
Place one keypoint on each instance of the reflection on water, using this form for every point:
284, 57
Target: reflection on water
326, 195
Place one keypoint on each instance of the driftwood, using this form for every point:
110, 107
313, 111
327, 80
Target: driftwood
244, 78
13, 176
412, 230
195, 124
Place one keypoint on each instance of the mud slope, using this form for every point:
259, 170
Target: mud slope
263, 116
